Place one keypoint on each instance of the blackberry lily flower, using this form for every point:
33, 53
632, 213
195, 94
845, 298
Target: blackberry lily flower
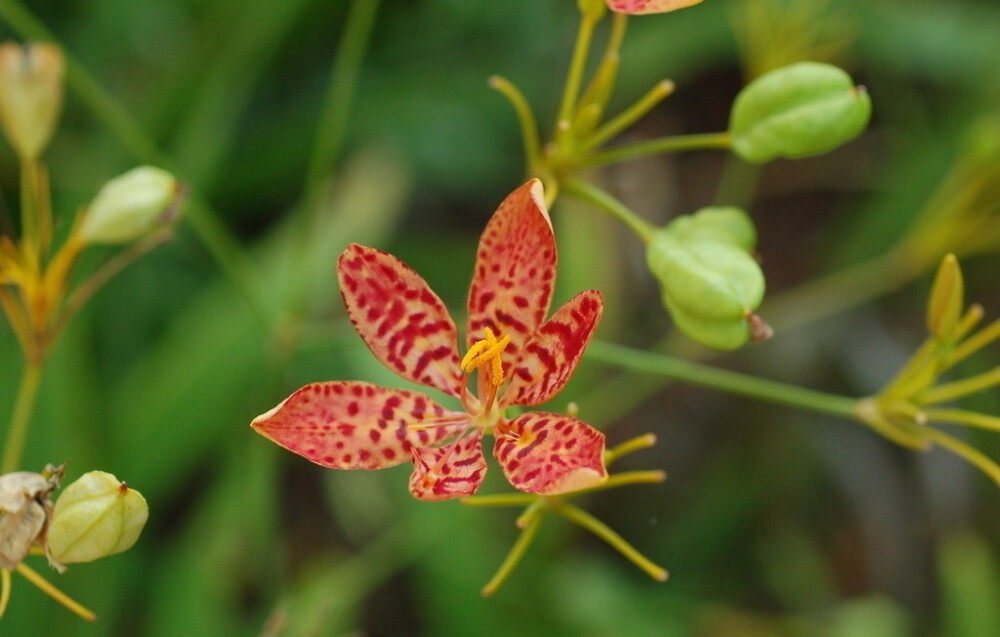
521, 359
636, 7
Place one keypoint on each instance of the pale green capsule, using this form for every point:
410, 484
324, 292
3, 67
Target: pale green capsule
95, 516
709, 287
796, 111
130, 206
726, 224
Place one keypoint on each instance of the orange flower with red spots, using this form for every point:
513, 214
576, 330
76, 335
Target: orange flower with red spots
520, 359
648, 6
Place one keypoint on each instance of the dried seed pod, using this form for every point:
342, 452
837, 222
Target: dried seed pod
25, 511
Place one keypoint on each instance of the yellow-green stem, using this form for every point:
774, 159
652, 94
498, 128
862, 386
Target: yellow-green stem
659, 146
603, 201
525, 118
959, 448
30, 239
974, 343
53, 592
960, 388
17, 430
501, 500
575, 75
629, 446
603, 531
515, 555
655, 476
722, 379
963, 417
630, 115
602, 83
4, 590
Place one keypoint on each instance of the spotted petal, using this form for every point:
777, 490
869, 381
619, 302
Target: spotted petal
549, 358
550, 454
353, 425
452, 471
648, 6
401, 320
515, 271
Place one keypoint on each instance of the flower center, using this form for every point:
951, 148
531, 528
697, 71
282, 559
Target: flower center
487, 352
485, 355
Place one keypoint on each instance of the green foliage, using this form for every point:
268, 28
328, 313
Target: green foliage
772, 522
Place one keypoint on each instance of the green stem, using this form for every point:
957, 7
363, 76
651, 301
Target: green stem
575, 75
599, 198
29, 211
341, 91
655, 476
603, 531
974, 343
515, 555
964, 451
963, 417
53, 592
630, 115
659, 146
629, 446
960, 388
525, 118
722, 380
20, 420
602, 83
500, 500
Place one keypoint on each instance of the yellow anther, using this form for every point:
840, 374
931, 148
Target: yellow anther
486, 351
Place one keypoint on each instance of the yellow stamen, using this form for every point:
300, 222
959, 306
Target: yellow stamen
487, 351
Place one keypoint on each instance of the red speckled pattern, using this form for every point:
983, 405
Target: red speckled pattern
354, 425
648, 6
550, 357
453, 471
401, 320
550, 454
515, 271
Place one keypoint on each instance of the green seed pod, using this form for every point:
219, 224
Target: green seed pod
796, 111
709, 287
95, 516
131, 205
725, 224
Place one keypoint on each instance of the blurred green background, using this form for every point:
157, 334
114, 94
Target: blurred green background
773, 521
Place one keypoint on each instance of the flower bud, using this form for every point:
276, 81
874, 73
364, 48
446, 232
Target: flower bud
710, 282
944, 309
131, 205
796, 111
25, 509
95, 516
31, 90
